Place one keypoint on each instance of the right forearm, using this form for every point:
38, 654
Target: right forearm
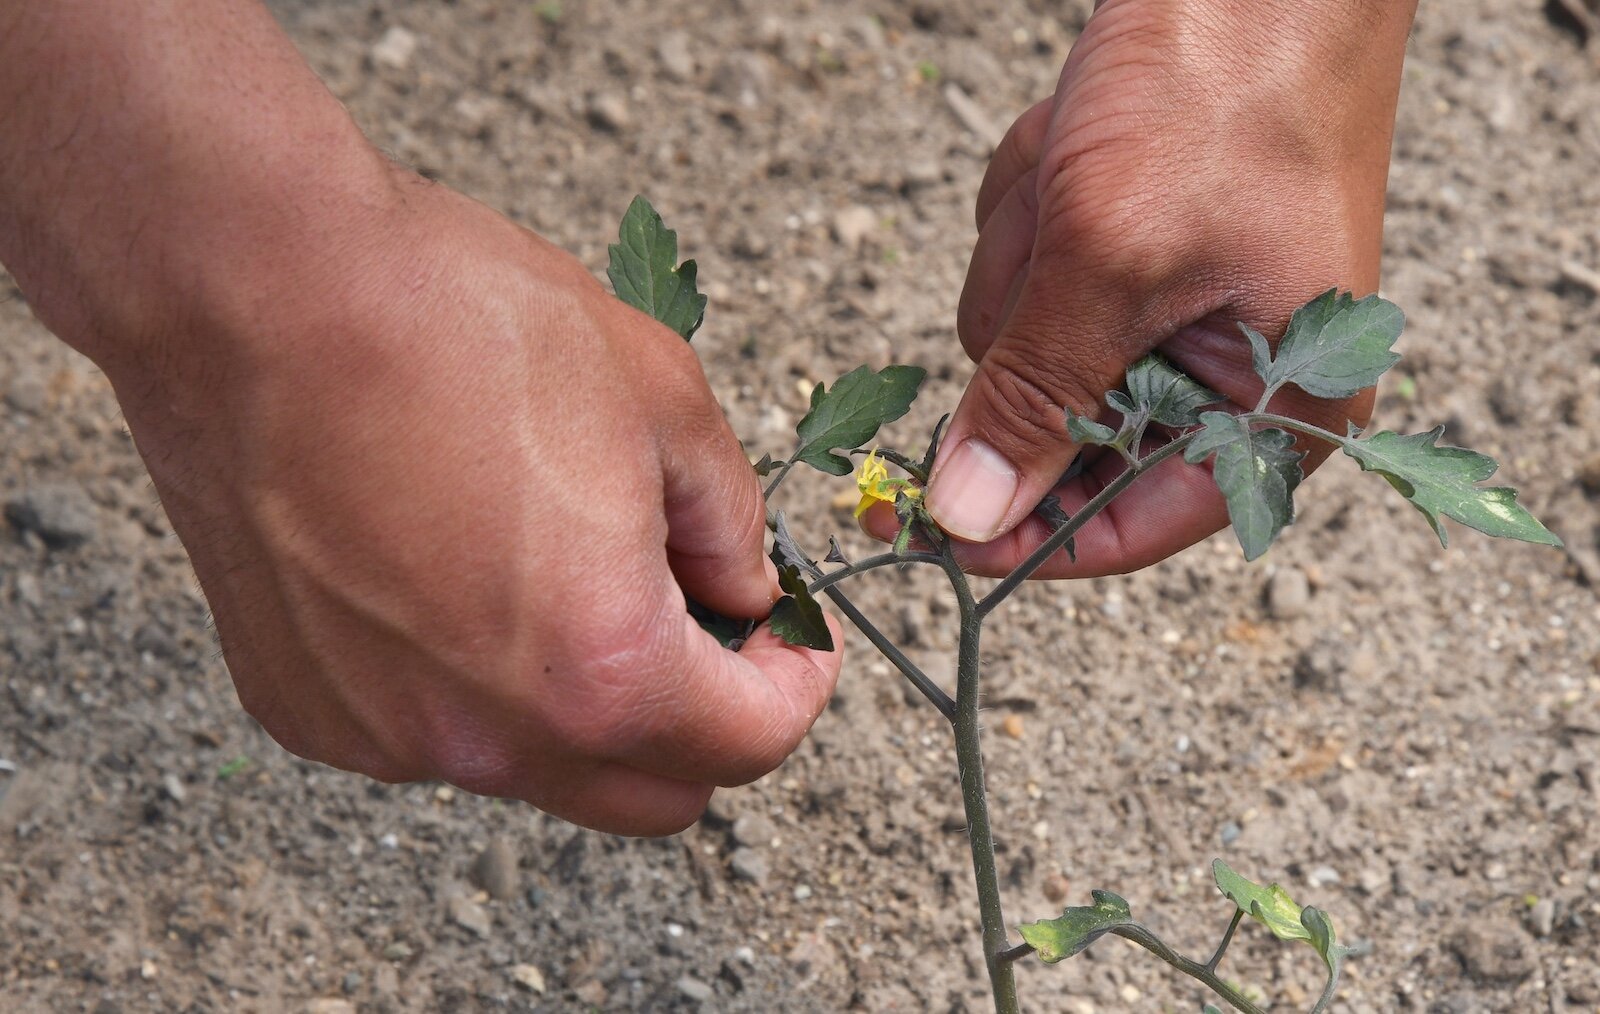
145, 147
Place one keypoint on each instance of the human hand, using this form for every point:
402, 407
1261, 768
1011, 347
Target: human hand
442, 493
1198, 165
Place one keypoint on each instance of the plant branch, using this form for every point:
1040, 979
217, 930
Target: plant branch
1289, 422
1155, 945
916, 677
974, 795
1227, 938
832, 578
1329, 990
777, 480
1050, 546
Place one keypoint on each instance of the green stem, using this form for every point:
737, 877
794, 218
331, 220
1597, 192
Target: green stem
1329, 990
1155, 945
1227, 938
1050, 546
1298, 424
916, 677
777, 480
850, 570
974, 796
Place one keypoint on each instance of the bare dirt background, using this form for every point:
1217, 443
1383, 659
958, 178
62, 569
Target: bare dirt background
1407, 738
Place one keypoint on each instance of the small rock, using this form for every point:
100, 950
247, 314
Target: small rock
1320, 667
1542, 917
1011, 725
1322, 876
174, 788
852, 225
607, 111
748, 864
29, 395
1055, 887
676, 59
399, 950
495, 869
744, 78
1230, 833
329, 1005
1288, 593
802, 892
60, 514
592, 993
922, 174
351, 982
528, 977
1491, 953
395, 49
1589, 475
751, 244
470, 916
753, 830
694, 989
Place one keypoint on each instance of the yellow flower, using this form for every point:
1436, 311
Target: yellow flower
877, 487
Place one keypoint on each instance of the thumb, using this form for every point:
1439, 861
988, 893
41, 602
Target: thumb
716, 516
1063, 347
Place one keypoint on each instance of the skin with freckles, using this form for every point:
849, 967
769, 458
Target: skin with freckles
1198, 165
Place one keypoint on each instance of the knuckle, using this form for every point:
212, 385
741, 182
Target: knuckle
1030, 394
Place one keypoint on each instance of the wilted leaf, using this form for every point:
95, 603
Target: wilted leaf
1444, 480
850, 415
797, 618
1166, 394
1257, 472
646, 275
765, 466
1077, 928
1271, 906
1335, 346
835, 554
1053, 514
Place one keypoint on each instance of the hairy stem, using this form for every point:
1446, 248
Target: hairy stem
1289, 422
871, 563
974, 796
1049, 547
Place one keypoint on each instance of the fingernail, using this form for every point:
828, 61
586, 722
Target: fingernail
972, 492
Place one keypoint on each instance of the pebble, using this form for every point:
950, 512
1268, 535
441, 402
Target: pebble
329, 1005
802, 892
1542, 917
60, 514
29, 395
1491, 953
1055, 887
607, 111
1011, 725
1288, 593
528, 977
495, 870
351, 982
694, 989
174, 788
470, 916
1322, 876
854, 224
676, 59
744, 78
748, 864
754, 829
1320, 667
1230, 833
395, 49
